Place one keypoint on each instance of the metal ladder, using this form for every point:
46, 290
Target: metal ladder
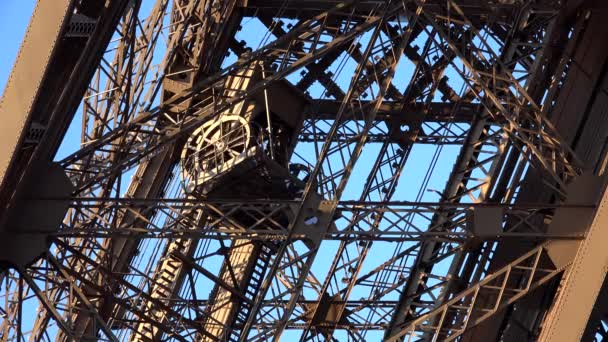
253, 286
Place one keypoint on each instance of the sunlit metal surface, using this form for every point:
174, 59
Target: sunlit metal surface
305, 170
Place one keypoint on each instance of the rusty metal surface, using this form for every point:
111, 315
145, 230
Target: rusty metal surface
245, 171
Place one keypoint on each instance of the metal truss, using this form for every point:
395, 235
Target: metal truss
285, 53
503, 94
474, 178
316, 238
458, 221
481, 300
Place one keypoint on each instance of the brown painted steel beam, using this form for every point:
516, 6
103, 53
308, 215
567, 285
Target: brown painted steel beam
24, 82
432, 112
567, 319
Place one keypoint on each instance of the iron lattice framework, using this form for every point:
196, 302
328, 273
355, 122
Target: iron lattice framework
316, 170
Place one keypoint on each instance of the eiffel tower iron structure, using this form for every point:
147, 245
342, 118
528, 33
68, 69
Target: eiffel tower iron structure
255, 170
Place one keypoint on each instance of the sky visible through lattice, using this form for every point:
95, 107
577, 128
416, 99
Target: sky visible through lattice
413, 185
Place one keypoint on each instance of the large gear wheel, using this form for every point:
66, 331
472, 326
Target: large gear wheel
215, 147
